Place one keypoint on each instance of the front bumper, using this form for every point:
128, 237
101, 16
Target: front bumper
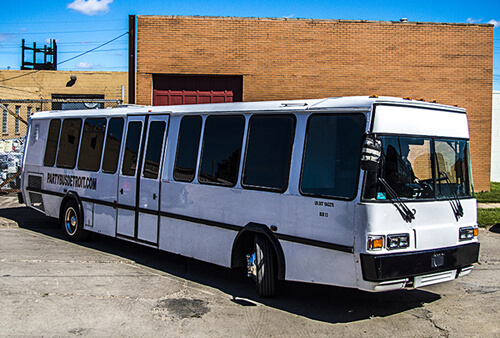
380, 268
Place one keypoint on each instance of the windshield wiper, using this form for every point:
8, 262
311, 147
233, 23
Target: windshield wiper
403, 209
456, 206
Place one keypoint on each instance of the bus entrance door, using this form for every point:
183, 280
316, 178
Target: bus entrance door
127, 185
149, 185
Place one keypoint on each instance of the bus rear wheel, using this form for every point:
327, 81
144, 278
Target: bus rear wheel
265, 268
72, 222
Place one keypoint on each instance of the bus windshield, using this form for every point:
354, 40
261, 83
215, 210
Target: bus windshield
420, 168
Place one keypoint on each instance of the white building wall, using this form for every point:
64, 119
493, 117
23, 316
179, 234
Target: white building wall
495, 138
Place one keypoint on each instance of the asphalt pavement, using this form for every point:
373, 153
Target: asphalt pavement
107, 287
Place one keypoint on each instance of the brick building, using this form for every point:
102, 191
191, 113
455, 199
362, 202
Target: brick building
272, 59
18, 87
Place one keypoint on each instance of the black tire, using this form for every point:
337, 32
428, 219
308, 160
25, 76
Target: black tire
72, 222
265, 267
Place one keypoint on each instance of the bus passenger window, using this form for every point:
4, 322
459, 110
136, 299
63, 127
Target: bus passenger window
132, 148
113, 144
187, 148
52, 139
269, 150
154, 149
220, 159
68, 146
331, 156
92, 142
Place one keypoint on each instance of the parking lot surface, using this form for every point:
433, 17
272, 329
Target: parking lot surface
108, 287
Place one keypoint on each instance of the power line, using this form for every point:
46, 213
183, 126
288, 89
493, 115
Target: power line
60, 63
93, 49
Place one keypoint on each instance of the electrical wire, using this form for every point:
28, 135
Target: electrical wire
60, 63
93, 49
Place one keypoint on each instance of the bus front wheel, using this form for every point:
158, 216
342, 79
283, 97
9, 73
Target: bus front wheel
72, 222
265, 268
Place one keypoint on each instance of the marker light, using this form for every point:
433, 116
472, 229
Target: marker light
375, 242
401, 241
467, 234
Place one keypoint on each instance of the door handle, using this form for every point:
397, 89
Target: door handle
121, 191
154, 196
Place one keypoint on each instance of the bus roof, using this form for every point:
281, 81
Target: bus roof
363, 103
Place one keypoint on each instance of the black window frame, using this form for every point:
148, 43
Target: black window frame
137, 159
116, 159
290, 147
199, 170
146, 173
80, 165
77, 148
358, 154
54, 149
195, 167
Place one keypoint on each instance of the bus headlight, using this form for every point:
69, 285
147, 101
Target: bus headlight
401, 241
375, 242
468, 233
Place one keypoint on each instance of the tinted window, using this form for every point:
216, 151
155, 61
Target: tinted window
269, 149
92, 142
52, 139
68, 146
187, 148
113, 144
132, 148
221, 150
332, 153
154, 149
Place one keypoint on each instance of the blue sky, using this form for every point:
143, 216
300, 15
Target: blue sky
82, 25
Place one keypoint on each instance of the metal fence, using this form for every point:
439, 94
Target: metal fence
14, 121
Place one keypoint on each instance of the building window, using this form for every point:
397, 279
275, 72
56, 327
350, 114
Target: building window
220, 159
331, 157
5, 120
16, 122
187, 148
269, 150
28, 112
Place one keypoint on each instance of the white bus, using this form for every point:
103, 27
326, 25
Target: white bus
363, 192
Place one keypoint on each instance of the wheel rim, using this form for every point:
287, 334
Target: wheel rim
71, 221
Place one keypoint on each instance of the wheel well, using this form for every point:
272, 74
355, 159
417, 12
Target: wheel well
244, 244
66, 199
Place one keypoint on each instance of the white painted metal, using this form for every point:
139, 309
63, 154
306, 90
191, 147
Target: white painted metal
396, 119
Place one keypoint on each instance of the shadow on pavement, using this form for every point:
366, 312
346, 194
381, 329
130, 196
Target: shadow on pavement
318, 302
495, 228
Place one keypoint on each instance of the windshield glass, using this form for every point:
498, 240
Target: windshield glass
421, 168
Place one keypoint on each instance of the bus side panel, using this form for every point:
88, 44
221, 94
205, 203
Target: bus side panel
306, 263
206, 243
105, 220
37, 139
33, 160
104, 214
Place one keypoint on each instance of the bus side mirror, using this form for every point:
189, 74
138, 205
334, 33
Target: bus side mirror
370, 153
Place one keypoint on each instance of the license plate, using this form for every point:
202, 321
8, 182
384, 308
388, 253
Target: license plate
437, 260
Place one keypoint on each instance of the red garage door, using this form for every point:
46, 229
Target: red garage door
177, 97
